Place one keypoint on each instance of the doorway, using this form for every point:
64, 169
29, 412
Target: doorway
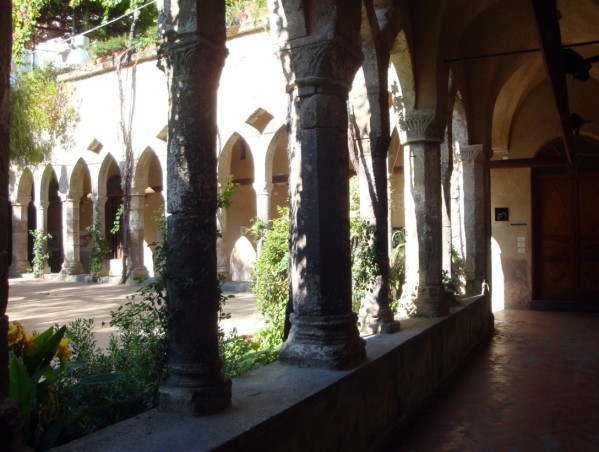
566, 226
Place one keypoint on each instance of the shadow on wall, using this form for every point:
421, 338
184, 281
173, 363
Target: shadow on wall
243, 258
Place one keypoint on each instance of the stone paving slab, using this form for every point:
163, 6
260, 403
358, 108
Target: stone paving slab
39, 304
534, 388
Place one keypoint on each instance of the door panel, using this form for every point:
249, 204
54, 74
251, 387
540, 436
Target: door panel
567, 237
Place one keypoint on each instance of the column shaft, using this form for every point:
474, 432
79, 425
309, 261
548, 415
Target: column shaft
422, 187
323, 328
20, 238
136, 244
71, 237
195, 52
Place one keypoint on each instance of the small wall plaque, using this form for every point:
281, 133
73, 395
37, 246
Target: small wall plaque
502, 214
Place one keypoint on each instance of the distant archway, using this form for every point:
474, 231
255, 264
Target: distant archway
50, 188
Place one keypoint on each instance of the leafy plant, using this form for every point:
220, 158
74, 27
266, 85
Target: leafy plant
40, 255
270, 280
109, 46
36, 363
239, 11
41, 116
100, 249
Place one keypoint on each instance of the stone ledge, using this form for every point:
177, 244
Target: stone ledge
313, 409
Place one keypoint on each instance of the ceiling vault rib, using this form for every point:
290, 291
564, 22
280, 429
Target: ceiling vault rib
548, 31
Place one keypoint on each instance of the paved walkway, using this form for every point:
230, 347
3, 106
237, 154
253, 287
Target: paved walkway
534, 388
38, 304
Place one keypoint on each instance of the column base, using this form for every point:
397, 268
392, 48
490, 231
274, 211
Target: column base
327, 342
474, 287
431, 301
72, 268
195, 401
18, 268
377, 321
139, 273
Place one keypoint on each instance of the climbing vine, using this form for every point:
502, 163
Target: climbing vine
40, 254
100, 248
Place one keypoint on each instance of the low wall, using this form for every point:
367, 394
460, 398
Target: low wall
311, 409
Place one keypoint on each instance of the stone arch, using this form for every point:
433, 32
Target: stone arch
237, 162
403, 89
395, 184
82, 216
52, 222
110, 197
24, 219
277, 169
513, 92
149, 183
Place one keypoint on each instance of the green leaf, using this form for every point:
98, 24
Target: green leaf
20, 385
46, 345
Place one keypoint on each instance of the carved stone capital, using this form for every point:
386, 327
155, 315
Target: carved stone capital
263, 188
325, 66
469, 152
420, 125
190, 55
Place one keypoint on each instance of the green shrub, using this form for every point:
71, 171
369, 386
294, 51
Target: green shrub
40, 255
270, 281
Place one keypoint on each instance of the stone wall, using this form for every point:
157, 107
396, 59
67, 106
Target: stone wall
312, 409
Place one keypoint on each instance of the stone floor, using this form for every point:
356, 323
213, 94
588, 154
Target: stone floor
534, 388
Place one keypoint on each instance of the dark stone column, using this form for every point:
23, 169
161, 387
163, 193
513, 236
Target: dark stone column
9, 412
320, 59
194, 50
421, 137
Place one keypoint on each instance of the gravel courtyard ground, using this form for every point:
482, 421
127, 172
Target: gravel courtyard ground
38, 304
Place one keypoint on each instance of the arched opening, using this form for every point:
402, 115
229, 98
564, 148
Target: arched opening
566, 225
81, 183
241, 213
113, 219
31, 223
55, 241
149, 178
279, 196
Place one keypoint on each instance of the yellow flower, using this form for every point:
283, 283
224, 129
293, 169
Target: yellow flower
16, 336
63, 352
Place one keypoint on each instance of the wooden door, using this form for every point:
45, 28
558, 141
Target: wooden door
567, 237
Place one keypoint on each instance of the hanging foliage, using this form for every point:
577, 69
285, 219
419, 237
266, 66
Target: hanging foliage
40, 116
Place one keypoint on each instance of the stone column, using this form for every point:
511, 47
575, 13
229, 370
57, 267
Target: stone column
20, 237
136, 236
320, 68
263, 191
71, 235
474, 215
194, 53
11, 436
421, 137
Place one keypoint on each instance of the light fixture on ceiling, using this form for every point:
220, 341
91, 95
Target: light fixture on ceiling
577, 65
577, 122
